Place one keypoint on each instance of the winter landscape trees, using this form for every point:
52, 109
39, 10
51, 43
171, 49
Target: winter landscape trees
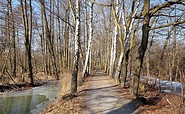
125, 38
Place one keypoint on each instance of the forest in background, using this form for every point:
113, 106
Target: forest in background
129, 38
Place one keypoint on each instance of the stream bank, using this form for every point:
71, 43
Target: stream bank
31, 101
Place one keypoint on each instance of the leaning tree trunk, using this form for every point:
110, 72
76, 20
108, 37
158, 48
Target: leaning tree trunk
114, 44
76, 54
87, 59
142, 48
127, 36
127, 26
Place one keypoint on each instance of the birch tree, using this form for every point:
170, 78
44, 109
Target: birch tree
88, 53
76, 54
114, 43
124, 36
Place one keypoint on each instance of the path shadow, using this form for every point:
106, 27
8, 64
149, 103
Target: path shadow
128, 108
98, 74
94, 89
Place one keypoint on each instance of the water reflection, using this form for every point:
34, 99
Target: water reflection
29, 101
20, 104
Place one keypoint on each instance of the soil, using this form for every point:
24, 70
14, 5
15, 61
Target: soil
99, 94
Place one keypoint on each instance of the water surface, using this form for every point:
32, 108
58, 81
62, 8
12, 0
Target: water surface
30, 101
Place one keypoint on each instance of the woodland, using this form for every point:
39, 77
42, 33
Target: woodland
127, 39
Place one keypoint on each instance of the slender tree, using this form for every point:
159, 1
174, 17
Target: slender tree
13, 38
113, 42
49, 40
27, 38
88, 54
76, 54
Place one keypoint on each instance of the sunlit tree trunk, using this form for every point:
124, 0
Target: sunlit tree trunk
88, 54
114, 43
142, 48
124, 41
76, 54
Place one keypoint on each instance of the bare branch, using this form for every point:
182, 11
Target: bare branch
159, 7
167, 25
107, 5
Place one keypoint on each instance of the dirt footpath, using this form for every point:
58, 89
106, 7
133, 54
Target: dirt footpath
99, 94
103, 96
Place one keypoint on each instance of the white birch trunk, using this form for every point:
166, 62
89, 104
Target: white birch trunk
113, 51
126, 36
76, 54
88, 54
114, 45
118, 72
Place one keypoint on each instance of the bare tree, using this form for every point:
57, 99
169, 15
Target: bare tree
76, 54
88, 54
27, 37
49, 40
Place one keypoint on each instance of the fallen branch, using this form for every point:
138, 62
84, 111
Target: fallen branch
169, 102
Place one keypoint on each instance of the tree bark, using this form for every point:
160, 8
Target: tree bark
76, 54
49, 40
27, 40
114, 43
142, 48
13, 38
88, 56
66, 38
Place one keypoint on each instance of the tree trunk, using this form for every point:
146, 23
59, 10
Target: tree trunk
13, 38
76, 54
66, 39
27, 40
59, 37
142, 48
88, 56
29, 46
114, 43
128, 28
49, 41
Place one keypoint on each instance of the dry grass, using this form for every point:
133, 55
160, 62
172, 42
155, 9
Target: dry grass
65, 83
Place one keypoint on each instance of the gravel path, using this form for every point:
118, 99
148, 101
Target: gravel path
103, 97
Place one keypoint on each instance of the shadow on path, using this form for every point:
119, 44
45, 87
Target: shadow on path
96, 89
128, 108
103, 96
